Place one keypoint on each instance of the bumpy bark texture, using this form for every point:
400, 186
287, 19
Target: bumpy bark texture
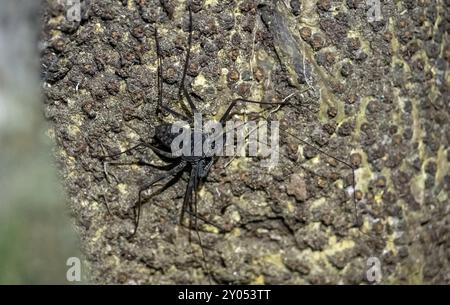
377, 98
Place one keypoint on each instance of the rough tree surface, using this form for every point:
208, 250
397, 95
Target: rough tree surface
377, 97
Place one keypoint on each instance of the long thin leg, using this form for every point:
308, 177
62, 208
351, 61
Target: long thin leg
160, 105
222, 230
336, 159
122, 152
191, 103
208, 270
188, 52
134, 162
176, 114
160, 177
160, 87
194, 213
161, 152
195, 197
115, 155
118, 163
285, 101
234, 102
188, 195
194, 178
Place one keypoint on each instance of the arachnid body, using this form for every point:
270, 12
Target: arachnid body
198, 166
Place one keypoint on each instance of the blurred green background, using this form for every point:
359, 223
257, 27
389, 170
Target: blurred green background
36, 233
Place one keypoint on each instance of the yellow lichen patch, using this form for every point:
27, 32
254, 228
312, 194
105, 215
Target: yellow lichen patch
211, 229
443, 197
91, 205
395, 45
414, 272
239, 164
56, 20
236, 232
55, 34
204, 195
201, 193
315, 161
135, 167
418, 187
84, 203
223, 77
73, 130
199, 82
309, 14
133, 135
98, 28
340, 117
390, 245
154, 66
361, 116
338, 246
378, 198
211, 2
365, 45
318, 203
76, 119
291, 207
98, 234
179, 10
72, 102
273, 259
443, 165
387, 173
366, 226
320, 258
94, 206
70, 161
123, 188
76, 122
122, 87
363, 174
131, 5
259, 280
235, 216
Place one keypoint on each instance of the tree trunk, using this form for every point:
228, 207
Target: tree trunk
367, 84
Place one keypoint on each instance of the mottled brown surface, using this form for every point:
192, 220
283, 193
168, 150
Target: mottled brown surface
378, 98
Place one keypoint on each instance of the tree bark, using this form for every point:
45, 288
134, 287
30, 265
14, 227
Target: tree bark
368, 85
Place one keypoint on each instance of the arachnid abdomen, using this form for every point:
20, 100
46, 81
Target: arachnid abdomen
167, 133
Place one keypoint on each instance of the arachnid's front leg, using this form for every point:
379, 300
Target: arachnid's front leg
235, 101
158, 178
190, 205
162, 152
187, 201
188, 54
160, 105
122, 152
105, 163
